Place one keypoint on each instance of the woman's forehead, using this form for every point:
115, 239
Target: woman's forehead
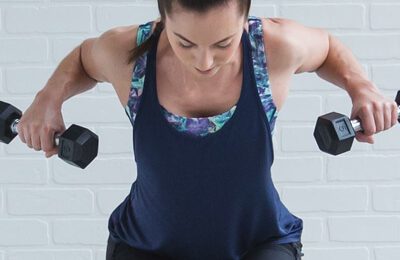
177, 11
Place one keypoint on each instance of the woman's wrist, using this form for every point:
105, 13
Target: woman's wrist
50, 96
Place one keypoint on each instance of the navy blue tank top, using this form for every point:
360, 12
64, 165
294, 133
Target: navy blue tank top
203, 197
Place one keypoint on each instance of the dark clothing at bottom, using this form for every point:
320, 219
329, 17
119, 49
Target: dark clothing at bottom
268, 251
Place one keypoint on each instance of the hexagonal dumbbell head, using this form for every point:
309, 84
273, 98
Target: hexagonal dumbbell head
334, 133
78, 146
8, 113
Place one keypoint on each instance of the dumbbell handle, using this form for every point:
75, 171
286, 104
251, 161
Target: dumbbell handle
357, 124
15, 131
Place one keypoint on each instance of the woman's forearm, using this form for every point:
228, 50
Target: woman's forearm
68, 79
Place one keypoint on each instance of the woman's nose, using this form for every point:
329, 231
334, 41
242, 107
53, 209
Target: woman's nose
205, 61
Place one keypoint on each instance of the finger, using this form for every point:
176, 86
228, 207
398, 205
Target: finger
364, 138
395, 114
51, 153
20, 132
379, 119
27, 138
388, 116
367, 120
47, 138
35, 138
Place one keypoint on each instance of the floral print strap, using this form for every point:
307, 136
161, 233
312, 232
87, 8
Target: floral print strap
256, 34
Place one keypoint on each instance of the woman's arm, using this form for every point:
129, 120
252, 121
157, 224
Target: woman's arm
85, 66
324, 54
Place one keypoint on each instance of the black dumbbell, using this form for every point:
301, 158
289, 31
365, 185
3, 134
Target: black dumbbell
77, 146
335, 132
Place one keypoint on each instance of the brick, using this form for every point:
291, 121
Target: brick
352, 16
91, 231
386, 198
364, 228
23, 232
50, 201
48, 19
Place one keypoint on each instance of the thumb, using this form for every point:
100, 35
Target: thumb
51, 153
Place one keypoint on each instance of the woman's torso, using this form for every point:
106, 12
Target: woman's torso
212, 101
180, 189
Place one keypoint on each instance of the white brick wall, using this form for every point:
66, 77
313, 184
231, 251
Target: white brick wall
350, 203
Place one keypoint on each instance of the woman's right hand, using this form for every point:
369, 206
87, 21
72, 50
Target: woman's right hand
40, 123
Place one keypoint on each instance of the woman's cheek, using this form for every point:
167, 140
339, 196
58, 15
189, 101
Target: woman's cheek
186, 57
227, 57
181, 54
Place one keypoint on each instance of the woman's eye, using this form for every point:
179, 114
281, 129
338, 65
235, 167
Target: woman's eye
185, 46
224, 46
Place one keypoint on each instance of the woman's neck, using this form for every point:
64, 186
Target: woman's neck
192, 83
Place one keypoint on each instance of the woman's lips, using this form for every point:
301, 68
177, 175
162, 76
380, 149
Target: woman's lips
205, 72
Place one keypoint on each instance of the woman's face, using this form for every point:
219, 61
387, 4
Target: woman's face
205, 42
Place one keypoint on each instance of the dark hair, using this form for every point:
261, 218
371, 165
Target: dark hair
165, 6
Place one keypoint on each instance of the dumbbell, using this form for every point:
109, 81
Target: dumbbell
77, 146
334, 132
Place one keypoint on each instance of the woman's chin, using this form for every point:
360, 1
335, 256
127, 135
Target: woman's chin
206, 74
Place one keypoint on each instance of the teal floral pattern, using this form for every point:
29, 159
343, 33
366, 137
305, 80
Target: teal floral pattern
202, 126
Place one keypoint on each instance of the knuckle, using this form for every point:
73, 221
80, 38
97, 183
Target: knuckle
47, 128
365, 109
370, 130
31, 129
47, 147
395, 107
388, 106
376, 106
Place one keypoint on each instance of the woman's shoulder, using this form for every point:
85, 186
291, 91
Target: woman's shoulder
280, 42
126, 38
122, 40
275, 35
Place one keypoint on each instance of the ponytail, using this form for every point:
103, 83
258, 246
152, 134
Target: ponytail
136, 52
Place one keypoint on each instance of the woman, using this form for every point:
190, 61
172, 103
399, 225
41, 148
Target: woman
202, 142
203, 110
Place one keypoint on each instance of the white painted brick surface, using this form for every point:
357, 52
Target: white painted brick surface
19, 50
33, 79
301, 169
376, 228
386, 198
351, 15
92, 231
20, 231
386, 252
109, 199
50, 254
50, 201
387, 11
323, 198
48, 19
52, 210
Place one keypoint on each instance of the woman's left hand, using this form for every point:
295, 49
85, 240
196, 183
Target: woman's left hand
375, 111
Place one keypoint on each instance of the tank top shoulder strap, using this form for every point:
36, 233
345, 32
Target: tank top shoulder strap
144, 31
256, 36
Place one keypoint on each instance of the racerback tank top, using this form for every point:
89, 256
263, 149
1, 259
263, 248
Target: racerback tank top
204, 196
